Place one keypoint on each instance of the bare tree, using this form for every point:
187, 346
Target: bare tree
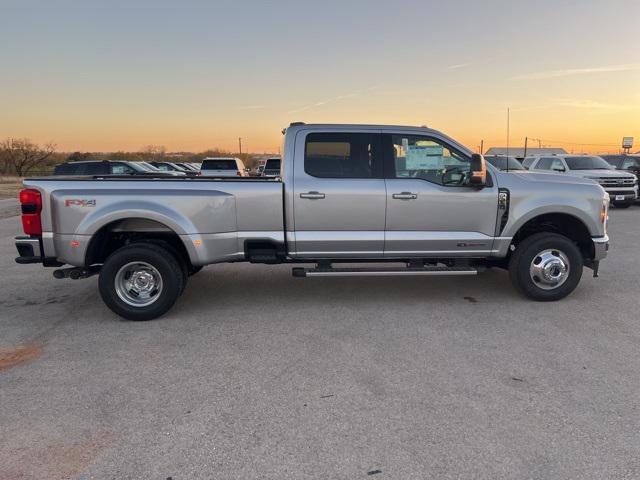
154, 152
20, 155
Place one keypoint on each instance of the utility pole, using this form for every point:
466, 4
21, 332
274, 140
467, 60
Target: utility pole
481, 147
526, 140
508, 125
240, 144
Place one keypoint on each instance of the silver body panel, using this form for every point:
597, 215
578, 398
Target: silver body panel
213, 218
438, 220
320, 218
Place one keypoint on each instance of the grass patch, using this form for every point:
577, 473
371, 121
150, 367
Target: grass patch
10, 186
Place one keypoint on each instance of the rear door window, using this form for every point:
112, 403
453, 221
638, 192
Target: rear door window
121, 169
557, 165
343, 155
90, 168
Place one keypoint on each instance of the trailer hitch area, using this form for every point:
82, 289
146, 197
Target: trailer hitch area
76, 273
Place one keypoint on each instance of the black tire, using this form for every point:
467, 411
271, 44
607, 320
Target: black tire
529, 250
166, 266
193, 270
179, 258
622, 204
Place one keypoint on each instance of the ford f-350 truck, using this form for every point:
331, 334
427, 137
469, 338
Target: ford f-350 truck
409, 198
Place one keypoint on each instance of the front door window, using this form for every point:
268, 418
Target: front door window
430, 160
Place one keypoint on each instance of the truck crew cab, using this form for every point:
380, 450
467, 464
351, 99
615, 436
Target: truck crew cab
408, 196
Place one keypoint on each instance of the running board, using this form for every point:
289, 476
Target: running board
381, 272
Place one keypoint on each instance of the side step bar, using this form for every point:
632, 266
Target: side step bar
382, 272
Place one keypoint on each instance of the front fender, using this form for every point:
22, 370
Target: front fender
523, 213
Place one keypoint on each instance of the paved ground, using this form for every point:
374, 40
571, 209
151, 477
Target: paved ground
256, 374
9, 207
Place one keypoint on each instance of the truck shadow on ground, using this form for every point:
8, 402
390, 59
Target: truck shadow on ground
274, 288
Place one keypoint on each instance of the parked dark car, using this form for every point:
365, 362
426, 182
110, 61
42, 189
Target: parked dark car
504, 163
102, 167
630, 163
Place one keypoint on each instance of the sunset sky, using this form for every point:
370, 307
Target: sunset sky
119, 75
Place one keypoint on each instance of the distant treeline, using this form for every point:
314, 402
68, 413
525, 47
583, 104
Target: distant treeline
21, 156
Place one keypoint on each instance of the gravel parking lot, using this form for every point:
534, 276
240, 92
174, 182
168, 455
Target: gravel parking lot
255, 374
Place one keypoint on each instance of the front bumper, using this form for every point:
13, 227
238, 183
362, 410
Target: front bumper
600, 247
622, 194
30, 251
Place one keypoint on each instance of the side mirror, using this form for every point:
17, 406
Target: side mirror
478, 168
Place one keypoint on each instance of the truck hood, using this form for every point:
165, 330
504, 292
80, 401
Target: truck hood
528, 175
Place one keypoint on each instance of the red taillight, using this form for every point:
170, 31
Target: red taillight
31, 205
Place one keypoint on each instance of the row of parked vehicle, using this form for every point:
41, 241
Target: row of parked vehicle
123, 167
210, 166
618, 174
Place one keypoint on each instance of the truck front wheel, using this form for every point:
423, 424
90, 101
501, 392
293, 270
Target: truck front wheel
546, 266
141, 281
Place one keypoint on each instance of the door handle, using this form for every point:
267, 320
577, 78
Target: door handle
405, 196
312, 195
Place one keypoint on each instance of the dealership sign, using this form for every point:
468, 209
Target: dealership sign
627, 142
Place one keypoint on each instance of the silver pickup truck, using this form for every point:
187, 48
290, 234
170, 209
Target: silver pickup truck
392, 200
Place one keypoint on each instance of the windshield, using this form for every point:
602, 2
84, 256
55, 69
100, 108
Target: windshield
587, 163
623, 162
164, 167
149, 167
502, 162
137, 167
631, 162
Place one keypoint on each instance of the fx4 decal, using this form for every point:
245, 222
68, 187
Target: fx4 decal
77, 202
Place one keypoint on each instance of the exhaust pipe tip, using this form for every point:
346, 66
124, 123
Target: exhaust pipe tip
59, 274
75, 274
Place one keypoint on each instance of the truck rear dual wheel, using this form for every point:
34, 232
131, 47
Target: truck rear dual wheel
546, 267
141, 281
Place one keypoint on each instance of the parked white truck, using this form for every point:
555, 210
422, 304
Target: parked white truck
408, 196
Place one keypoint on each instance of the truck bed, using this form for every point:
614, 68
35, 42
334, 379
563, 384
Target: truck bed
214, 216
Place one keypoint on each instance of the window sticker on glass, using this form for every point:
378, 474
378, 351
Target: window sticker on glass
425, 157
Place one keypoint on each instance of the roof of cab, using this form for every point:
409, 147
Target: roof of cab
357, 126
347, 127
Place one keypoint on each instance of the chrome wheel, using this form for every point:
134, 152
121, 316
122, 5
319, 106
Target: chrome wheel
549, 269
138, 284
